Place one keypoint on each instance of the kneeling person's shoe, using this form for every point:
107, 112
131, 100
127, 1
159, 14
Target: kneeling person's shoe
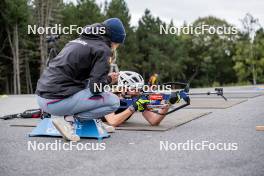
108, 128
104, 127
65, 129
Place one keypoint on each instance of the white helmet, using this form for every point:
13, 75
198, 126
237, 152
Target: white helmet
130, 79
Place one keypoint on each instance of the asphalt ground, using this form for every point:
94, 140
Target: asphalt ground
139, 152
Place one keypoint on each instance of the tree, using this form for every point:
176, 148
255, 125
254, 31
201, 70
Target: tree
245, 49
259, 55
85, 12
47, 13
127, 53
246, 61
213, 53
220, 58
15, 16
167, 54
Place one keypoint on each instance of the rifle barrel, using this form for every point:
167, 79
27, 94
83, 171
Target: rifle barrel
205, 93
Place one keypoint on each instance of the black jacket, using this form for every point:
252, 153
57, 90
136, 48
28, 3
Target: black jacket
81, 63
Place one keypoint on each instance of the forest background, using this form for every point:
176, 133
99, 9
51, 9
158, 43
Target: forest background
225, 59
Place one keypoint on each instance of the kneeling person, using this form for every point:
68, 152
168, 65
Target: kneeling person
68, 85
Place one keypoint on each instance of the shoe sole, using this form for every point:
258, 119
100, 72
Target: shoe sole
110, 130
63, 134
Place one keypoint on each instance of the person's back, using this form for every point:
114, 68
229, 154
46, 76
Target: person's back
68, 72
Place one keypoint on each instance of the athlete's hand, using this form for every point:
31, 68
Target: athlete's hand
114, 77
184, 96
177, 96
140, 104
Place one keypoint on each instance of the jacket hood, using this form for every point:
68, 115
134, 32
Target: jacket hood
96, 31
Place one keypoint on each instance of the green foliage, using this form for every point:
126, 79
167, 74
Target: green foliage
259, 55
213, 53
242, 59
84, 13
220, 59
249, 55
159, 53
127, 53
13, 13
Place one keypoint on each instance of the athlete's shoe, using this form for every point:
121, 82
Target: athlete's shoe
107, 128
65, 129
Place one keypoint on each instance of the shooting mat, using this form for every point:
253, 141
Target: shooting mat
218, 103
21, 122
230, 95
138, 122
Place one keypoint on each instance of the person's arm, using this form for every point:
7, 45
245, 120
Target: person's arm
117, 119
153, 118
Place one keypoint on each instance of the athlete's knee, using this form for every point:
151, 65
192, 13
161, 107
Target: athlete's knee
114, 102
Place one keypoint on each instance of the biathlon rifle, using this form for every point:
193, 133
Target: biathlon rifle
159, 100
31, 113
